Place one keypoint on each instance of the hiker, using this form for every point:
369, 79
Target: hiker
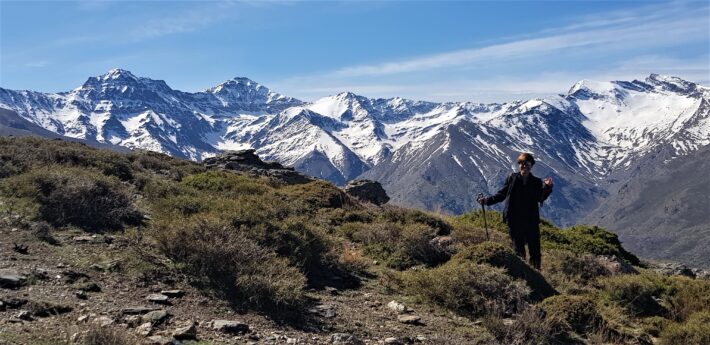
522, 192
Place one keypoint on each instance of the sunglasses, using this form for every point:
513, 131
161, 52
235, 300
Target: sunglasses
525, 163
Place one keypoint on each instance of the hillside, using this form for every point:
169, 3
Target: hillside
655, 202
100, 247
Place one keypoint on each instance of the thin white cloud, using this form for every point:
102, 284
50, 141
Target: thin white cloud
504, 87
648, 34
628, 35
37, 64
188, 21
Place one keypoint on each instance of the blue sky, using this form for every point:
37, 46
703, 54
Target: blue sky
441, 51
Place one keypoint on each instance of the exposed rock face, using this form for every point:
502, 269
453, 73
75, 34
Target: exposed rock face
247, 161
616, 265
678, 269
367, 190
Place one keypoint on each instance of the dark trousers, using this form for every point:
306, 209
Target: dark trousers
522, 234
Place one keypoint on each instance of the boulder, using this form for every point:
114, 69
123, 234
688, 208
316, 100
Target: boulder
247, 162
367, 190
155, 317
228, 326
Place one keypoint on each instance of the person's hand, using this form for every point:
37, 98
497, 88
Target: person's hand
481, 200
548, 182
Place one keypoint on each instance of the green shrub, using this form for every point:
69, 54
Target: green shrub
73, 196
467, 288
394, 214
107, 336
579, 313
497, 255
315, 195
570, 271
637, 293
226, 183
23, 154
688, 296
585, 239
239, 268
399, 246
694, 331
531, 327
654, 325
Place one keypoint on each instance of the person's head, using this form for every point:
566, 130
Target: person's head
525, 163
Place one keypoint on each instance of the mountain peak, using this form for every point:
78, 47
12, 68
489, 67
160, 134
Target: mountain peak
117, 73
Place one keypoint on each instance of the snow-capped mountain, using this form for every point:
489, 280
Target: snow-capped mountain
433, 155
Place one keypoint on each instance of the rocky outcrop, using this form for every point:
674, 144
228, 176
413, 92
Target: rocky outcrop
367, 190
248, 162
678, 269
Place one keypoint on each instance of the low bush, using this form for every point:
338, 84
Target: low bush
654, 325
394, 214
637, 293
585, 239
689, 296
467, 288
398, 246
696, 330
229, 183
572, 272
73, 196
531, 327
579, 313
497, 255
107, 336
228, 261
315, 195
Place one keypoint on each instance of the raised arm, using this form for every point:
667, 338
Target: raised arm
546, 189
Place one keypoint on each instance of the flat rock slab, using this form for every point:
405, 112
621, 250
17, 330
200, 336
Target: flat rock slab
157, 298
138, 310
11, 280
173, 293
409, 319
228, 326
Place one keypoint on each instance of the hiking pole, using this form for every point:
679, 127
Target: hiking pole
485, 221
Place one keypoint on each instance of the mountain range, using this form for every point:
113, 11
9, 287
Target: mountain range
592, 140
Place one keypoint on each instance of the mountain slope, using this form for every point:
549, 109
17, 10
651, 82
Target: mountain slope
662, 211
590, 139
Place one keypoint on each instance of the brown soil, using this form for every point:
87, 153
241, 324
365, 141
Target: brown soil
127, 269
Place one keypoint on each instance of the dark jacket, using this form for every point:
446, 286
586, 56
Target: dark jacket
521, 200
